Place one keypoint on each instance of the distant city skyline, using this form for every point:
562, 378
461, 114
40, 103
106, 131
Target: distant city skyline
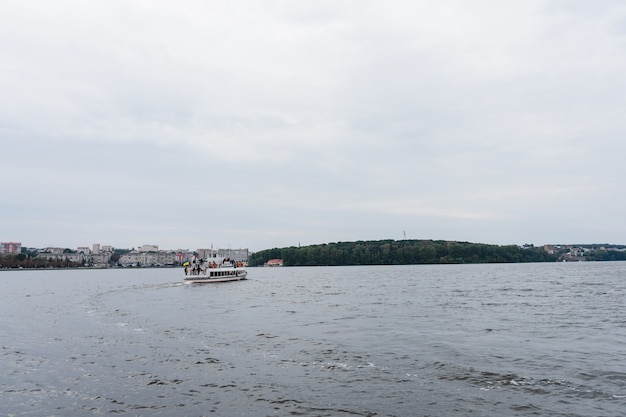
95, 247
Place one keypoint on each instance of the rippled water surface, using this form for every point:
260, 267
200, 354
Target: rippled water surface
483, 340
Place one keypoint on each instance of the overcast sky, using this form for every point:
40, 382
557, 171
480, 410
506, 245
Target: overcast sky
260, 124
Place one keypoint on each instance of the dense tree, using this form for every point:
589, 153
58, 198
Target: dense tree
24, 261
605, 255
117, 254
402, 252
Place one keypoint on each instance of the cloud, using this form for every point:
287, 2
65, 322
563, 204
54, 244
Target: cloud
311, 121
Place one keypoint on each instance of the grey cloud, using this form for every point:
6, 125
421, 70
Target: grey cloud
321, 121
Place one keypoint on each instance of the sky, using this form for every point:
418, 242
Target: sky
248, 124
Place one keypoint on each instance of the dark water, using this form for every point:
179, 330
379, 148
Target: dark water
480, 340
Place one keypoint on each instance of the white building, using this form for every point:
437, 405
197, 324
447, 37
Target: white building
136, 258
54, 251
148, 248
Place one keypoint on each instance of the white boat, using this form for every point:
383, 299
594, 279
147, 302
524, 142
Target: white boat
214, 270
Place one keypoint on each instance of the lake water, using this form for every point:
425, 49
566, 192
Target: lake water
444, 340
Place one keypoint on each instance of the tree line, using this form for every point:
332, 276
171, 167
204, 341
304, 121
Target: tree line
401, 252
24, 261
29, 259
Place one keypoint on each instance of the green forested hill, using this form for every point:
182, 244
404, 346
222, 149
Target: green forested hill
400, 252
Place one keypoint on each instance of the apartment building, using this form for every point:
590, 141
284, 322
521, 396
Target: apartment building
10, 248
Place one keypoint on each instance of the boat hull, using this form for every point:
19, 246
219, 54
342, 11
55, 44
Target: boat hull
223, 276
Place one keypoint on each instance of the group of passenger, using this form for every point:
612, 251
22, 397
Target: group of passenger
199, 266
236, 264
